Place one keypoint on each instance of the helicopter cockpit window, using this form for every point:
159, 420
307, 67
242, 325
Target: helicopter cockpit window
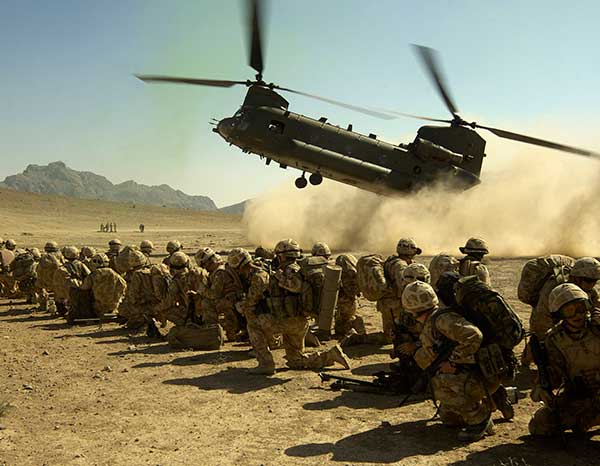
276, 127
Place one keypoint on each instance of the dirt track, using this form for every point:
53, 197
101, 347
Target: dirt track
94, 395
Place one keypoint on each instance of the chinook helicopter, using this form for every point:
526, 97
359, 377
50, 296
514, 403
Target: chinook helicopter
265, 126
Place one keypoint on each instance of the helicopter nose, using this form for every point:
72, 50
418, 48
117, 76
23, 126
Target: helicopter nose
224, 128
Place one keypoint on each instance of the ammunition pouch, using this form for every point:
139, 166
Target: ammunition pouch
493, 362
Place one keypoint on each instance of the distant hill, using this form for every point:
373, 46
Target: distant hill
56, 178
234, 209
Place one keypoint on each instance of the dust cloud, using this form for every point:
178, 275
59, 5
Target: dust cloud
534, 202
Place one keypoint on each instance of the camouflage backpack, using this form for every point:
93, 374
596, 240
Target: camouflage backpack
23, 267
312, 270
49, 263
501, 327
371, 276
537, 272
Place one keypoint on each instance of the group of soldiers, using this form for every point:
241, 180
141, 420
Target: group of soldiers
268, 298
108, 227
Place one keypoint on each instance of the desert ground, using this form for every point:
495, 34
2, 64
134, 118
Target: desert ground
93, 395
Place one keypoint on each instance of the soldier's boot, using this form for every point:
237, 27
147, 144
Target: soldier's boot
476, 432
502, 403
263, 369
152, 331
336, 354
311, 340
352, 338
358, 324
61, 309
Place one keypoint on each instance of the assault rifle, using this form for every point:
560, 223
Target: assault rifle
394, 383
540, 358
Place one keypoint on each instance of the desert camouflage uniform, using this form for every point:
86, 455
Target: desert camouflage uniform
7, 284
140, 301
181, 302
286, 318
347, 304
471, 266
69, 275
48, 264
108, 289
224, 290
391, 304
461, 395
573, 360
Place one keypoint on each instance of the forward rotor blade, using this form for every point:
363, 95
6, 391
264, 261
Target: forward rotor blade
255, 25
194, 81
416, 117
431, 63
374, 113
538, 142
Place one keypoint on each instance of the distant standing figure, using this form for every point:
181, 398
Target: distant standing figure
110, 225
142, 228
115, 227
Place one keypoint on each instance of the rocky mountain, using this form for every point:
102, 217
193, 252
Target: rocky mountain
234, 209
56, 178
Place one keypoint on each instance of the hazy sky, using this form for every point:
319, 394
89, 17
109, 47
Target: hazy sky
68, 93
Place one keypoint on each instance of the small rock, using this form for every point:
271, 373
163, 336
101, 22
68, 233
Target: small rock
45, 353
130, 347
27, 386
2, 427
107, 369
56, 427
125, 370
97, 375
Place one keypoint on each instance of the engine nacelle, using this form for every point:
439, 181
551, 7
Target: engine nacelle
427, 150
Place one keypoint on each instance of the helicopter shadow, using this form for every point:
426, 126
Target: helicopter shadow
383, 444
234, 380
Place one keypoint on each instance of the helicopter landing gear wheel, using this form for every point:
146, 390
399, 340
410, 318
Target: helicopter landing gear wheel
315, 179
301, 182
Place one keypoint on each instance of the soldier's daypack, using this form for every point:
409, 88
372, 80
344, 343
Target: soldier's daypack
537, 272
49, 263
80, 305
371, 276
198, 337
501, 327
161, 279
314, 276
23, 266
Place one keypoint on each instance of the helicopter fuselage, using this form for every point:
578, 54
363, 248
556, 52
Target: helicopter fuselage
330, 151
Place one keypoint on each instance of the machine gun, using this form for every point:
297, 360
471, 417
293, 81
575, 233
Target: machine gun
394, 383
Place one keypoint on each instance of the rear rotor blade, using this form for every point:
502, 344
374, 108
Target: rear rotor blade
538, 142
194, 81
255, 25
431, 63
356, 108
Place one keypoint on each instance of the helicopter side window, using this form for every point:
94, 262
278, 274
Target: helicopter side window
276, 127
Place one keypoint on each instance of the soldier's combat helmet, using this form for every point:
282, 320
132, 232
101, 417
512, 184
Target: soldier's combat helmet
71, 253
238, 257
35, 252
88, 251
10, 244
115, 242
415, 272
146, 246
441, 263
586, 267
173, 246
137, 259
565, 294
100, 260
407, 247
179, 260
263, 253
419, 297
321, 249
476, 245
204, 255
51, 246
288, 248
